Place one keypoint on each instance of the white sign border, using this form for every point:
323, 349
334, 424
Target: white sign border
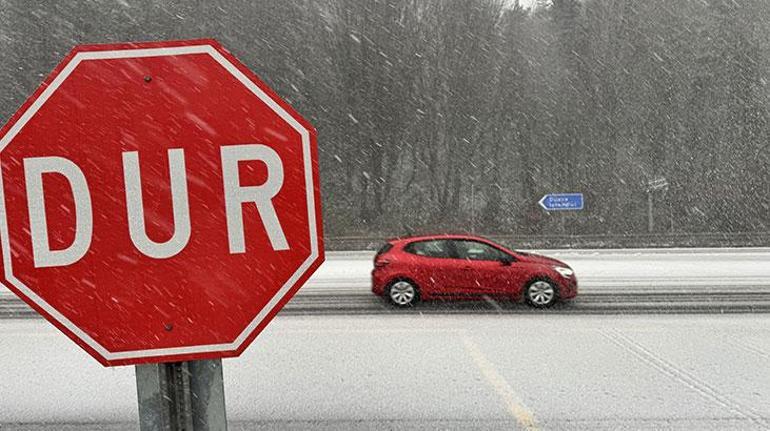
265, 98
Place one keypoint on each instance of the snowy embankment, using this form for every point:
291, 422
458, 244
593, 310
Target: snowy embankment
603, 270
626, 270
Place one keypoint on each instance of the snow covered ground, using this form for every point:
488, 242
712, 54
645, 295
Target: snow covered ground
597, 270
417, 372
441, 371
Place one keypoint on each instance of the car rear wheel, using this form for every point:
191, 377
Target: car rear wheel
540, 293
403, 293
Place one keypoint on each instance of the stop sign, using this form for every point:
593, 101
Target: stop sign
159, 202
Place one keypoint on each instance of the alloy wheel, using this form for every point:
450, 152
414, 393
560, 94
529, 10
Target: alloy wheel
402, 293
541, 293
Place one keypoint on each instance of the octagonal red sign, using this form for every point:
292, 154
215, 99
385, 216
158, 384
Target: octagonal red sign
158, 201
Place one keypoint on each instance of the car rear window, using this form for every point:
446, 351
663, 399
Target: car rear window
434, 248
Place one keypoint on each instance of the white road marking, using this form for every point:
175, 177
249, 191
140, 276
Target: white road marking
512, 400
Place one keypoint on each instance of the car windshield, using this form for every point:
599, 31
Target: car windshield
385, 214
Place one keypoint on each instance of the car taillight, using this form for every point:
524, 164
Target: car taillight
381, 263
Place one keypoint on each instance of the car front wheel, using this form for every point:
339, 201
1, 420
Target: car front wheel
403, 293
540, 293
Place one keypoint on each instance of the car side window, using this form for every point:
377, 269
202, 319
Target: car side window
474, 250
437, 248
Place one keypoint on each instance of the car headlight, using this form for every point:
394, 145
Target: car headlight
565, 272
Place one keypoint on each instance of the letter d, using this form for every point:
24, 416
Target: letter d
34, 168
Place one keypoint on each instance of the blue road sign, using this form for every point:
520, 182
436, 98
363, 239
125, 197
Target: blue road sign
562, 202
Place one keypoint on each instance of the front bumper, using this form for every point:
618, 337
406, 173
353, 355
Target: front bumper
568, 288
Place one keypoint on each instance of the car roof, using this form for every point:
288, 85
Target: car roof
405, 239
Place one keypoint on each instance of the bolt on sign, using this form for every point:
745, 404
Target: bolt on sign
158, 202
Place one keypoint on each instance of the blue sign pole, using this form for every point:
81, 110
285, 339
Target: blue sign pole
562, 202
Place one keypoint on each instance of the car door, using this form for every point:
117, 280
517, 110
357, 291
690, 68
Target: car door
486, 270
431, 265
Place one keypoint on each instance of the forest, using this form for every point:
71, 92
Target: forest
459, 115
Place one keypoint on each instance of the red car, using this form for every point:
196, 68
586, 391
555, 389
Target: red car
408, 270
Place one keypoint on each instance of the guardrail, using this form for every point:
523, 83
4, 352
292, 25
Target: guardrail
662, 240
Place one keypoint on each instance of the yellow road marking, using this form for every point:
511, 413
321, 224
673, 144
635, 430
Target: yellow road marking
516, 407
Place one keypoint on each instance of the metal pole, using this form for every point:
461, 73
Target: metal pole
208, 395
181, 396
650, 225
473, 210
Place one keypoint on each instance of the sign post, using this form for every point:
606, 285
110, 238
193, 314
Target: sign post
653, 186
159, 204
177, 396
562, 202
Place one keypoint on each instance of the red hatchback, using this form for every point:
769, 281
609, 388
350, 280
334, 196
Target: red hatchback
408, 270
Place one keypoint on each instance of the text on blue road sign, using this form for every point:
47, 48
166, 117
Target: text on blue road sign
562, 202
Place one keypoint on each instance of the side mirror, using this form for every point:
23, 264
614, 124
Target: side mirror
507, 260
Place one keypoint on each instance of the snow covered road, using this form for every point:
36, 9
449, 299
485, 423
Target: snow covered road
449, 366
430, 372
611, 281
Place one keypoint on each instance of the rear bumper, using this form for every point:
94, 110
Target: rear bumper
378, 282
